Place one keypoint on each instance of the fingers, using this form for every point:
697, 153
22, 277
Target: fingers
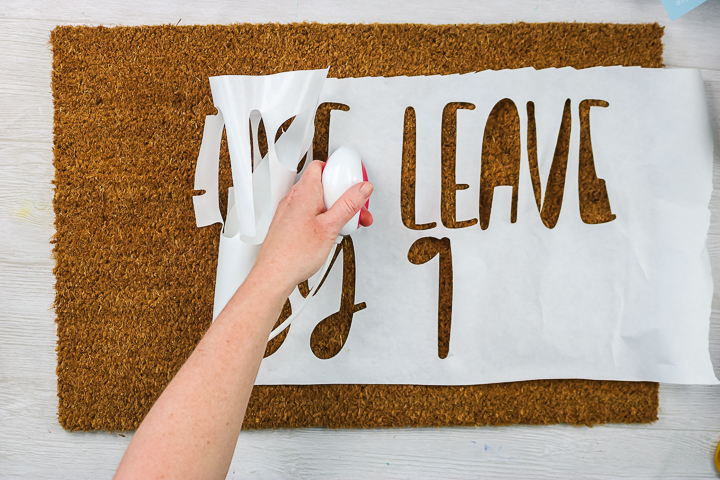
308, 190
366, 218
313, 172
348, 205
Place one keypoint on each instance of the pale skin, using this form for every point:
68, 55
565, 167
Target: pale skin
191, 430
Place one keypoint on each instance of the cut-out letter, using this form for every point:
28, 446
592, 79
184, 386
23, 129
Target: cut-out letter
550, 207
422, 251
329, 336
448, 210
322, 128
594, 200
500, 163
321, 140
407, 176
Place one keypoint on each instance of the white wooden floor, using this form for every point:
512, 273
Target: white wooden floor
32, 444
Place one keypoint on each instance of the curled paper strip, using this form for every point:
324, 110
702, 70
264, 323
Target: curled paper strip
534, 285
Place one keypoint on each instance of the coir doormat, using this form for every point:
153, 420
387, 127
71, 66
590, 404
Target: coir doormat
135, 277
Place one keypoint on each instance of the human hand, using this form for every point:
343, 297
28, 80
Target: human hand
303, 232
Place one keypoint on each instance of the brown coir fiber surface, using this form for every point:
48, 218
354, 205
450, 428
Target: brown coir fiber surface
135, 277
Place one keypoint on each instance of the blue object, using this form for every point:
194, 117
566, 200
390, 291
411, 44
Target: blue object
678, 8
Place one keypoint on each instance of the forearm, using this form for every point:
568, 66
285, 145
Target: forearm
192, 429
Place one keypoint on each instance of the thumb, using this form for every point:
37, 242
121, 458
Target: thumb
348, 205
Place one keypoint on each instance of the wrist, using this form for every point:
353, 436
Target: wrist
271, 280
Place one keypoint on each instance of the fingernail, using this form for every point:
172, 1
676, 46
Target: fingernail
366, 189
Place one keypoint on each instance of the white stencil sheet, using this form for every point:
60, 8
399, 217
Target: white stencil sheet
624, 300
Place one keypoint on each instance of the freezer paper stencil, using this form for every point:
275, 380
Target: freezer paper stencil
585, 257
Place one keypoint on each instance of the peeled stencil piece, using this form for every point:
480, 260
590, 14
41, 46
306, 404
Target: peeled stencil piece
259, 182
276, 98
